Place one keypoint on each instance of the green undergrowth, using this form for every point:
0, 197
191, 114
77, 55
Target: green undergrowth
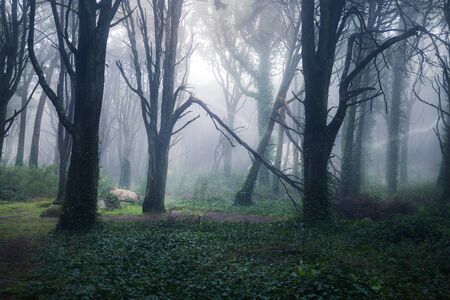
268, 207
405, 257
22, 183
21, 219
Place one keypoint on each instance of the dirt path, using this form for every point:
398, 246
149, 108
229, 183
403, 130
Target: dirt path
191, 217
14, 262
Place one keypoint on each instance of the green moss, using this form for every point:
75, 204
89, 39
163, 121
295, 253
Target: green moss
22, 219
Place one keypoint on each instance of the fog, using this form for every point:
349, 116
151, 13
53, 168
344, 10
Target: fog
246, 45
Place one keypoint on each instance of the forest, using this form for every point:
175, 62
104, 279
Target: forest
224, 149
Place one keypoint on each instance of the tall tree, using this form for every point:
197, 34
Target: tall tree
396, 103
320, 35
233, 96
36, 136
26, 81
94, 22
250, 32
13, 34
161, 103
292, 59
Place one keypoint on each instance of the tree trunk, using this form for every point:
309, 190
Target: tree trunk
227, 148
156, 176
244, 195
278, 158
316, 208
35, 139
393, 145
316, 150
3, 112
444, 178
352, 145
405, 144
359, 148
296, 137
265, 90
125, 173
63, 154
347, 169
22, 129
80, 203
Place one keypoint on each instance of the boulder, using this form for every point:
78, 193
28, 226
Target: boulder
53, 211
126, 196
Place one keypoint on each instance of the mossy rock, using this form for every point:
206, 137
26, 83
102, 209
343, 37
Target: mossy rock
53, 211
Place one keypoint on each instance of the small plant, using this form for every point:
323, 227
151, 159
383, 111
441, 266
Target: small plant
111, 201
22, 183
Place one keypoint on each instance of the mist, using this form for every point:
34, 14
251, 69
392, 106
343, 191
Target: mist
314, 116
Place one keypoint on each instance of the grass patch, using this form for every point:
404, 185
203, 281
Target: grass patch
21, 219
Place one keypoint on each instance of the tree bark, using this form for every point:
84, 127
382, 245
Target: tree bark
35, 139
3, 112
278, 158
405, 143
156, 176
393, 145
22, 129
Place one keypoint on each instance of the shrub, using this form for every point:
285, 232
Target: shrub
362, 206
22, 183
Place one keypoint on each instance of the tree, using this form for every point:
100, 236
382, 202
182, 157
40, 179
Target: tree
292, 59
162, 104
13, 33
252, 41
126, 114
35, 138
26, 82
94, 22
320, 35
441, 44
232, 96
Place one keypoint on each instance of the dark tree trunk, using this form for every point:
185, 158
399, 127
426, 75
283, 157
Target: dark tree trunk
80, 203
35, 139
13, 29
63, 155
317, 68
444, 177
157, 176
3, 113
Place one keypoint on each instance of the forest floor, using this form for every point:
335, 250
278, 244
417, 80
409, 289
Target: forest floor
191, 255
175, 215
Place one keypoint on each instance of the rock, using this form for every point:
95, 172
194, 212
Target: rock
53, 211
126, 196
